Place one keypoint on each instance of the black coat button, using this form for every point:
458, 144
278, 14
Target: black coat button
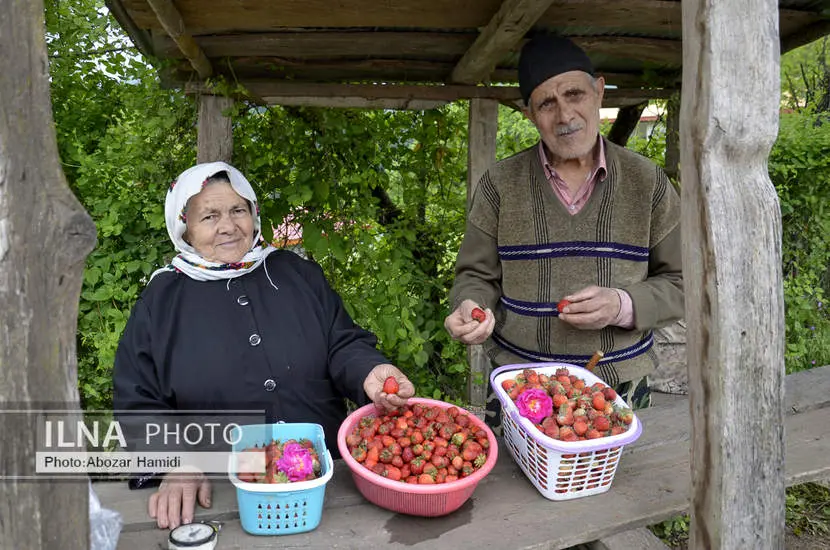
270, 385
254, 339
242, 300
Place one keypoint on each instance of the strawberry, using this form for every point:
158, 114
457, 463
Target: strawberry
598, 401
478, 314
602, 423
390, 385
480, 460
426, 479
508, 384
359, 454
609, 393
562, 305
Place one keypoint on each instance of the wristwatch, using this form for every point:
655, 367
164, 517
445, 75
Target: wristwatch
194, 536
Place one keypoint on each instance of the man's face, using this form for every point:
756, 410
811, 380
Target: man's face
565, 110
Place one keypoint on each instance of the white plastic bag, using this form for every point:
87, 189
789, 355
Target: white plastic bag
104, 524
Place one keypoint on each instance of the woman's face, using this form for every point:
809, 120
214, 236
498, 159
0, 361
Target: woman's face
219, 224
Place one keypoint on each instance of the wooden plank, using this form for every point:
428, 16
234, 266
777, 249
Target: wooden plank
355, 103
651, 485
275, 90
171, 21
327, 44
482, 127
215, 131
636, 539
653, 50
732, 271
657, 18
38, 292
502, 33
433, 46
804, 35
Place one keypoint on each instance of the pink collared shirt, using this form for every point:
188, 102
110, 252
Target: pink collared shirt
575, 203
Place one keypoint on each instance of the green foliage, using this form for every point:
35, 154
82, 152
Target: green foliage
800, 169
807, 513
805, 77
808, 509
121, 139
673, 531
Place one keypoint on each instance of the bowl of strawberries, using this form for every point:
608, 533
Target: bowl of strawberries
423, 459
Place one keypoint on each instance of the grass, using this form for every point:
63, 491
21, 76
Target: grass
808, 514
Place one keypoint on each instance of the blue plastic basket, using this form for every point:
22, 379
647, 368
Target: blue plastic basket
283, 508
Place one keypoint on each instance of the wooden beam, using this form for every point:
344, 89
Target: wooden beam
502, 33
732, 270
173, 24
39, 294
483, 125
805, 35
215, 130
140, 37
355, 103
625, 123
445, 93
653, 50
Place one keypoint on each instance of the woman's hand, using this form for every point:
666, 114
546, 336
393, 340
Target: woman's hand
175, 501
373, 386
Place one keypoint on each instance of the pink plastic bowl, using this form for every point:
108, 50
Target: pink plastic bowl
406, 498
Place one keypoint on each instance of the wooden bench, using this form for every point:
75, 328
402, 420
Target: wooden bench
652, 484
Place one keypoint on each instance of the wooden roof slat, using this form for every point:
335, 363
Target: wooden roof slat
274, 92
502, 33
805, 35
327, 44
634, 17
173, 24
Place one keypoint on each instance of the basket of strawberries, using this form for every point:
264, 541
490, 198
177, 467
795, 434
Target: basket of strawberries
424, 459
564, 427
280, 473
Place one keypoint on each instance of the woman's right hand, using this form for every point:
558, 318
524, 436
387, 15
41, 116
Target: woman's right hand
174, 503
462, 327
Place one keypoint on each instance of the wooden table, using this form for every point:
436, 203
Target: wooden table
506, 511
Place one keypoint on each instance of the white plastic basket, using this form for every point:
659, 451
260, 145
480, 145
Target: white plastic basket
560, 470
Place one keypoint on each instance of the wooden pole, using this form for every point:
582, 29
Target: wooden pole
45, 235
481, 154
673, 137
215, 131
732, 269
625, 124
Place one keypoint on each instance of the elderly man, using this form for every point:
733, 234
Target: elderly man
572, 245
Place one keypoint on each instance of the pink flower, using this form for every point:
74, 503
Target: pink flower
535, 405
295, 462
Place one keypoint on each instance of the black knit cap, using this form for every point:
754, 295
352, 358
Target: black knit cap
546, 56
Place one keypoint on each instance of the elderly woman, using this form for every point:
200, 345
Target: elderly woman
234, 321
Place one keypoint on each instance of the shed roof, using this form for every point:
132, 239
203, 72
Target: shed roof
286, 50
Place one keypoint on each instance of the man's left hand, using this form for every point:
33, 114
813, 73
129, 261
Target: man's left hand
592, 308
373, 386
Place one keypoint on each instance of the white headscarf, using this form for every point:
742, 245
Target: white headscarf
188, 261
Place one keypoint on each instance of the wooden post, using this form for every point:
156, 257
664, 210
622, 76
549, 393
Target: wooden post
215, 139
627, 120
673, 137
45, 235
481, 154
732, 268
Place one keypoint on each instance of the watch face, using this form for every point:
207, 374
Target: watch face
192, 535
